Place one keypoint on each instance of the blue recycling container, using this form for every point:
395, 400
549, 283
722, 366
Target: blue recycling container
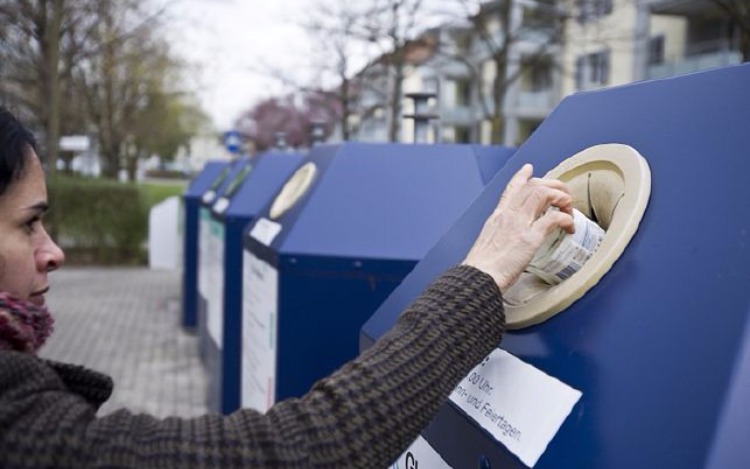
210, 252
659, 348
209, 178
364, 214
250, 191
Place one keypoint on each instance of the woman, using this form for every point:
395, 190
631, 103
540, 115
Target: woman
362, 416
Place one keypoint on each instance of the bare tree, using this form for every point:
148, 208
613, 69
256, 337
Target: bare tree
339, 46
86, 66
333, 28
493, 36
393, 25
130, 74
40, 45
360, 54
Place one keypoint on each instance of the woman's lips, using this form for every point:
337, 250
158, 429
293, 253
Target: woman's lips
37, 298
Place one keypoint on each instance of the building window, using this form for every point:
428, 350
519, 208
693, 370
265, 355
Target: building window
590, 10
430, 85
462, 43
534, 17
656, 50
537, 75
463, 93
708, 36
461, 135
592, 70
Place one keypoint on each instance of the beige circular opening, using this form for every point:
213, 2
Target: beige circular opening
611, 184
295, 187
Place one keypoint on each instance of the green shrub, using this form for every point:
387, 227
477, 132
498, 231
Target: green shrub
154, 193
98, 221
166, 174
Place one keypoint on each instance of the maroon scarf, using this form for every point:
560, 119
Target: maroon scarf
23, 326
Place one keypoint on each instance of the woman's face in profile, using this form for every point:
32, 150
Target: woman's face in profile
27, 253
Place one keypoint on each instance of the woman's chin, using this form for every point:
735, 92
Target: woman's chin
37, 300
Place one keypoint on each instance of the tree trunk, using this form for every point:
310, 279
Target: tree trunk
112, 146
345, 106
396, 91
132, 167
498, 97
52, 94
498, 129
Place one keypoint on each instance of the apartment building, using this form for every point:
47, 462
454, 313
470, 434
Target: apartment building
536, 52
613, 42
371, 114
495, 75
511, 47
702, 37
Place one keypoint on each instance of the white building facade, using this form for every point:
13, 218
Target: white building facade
544, 50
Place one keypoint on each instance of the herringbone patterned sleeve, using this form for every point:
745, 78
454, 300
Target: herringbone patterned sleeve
362, 416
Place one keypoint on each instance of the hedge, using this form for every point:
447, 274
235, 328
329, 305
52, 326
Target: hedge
98, 221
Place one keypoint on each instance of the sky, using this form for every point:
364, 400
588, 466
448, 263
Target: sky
231, 42
228, 41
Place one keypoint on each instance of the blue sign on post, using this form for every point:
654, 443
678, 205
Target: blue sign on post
232, 141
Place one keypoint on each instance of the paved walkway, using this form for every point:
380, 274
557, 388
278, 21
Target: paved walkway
126, 322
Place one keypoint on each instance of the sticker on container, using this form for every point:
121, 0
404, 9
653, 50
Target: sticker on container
519, 405
221, 205
265, 231
420, 455
208, 196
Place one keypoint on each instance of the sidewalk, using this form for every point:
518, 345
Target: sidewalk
126, 322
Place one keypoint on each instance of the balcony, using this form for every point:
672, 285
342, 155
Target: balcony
532, 104
459, 115
695, 62
455, 69
680, 7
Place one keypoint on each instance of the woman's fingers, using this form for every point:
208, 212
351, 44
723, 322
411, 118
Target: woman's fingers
516, 185
540, 193
541, 197
563, 203
519, 224
552, 183
552, 220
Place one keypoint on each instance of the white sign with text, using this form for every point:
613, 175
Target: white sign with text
215, 279
204, 249
265, 231
519, 405
259, 330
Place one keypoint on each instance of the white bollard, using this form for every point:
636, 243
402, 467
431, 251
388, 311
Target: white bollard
164, 240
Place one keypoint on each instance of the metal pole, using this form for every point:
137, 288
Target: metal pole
421, 116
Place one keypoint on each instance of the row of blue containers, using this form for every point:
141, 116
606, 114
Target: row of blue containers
281, 298
657, 352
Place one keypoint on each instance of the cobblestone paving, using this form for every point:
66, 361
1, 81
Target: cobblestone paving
126, 322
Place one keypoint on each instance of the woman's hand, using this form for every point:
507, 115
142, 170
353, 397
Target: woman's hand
519, 224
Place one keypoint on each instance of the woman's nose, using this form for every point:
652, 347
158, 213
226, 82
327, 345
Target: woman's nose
50, 256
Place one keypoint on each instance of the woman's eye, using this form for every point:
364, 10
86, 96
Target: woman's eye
32, 224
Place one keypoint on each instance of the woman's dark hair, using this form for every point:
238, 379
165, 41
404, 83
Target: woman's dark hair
15, 141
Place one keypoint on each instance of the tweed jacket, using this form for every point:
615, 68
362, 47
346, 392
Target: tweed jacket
362, 416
